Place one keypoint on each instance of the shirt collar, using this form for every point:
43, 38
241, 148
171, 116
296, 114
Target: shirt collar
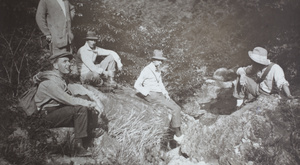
88, 47
153, 68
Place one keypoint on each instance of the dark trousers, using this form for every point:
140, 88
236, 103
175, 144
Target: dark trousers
69, 116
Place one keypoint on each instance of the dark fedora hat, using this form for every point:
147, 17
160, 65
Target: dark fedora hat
91, 35
61, 54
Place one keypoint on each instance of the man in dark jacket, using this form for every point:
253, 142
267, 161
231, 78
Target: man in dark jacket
54, 20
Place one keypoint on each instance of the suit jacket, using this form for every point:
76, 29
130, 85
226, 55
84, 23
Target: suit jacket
52, 21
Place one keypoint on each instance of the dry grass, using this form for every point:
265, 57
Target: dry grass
138, 132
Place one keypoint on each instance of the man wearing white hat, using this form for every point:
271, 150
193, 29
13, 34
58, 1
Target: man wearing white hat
266, 72
150, 85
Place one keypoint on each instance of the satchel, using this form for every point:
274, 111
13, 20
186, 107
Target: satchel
26, 101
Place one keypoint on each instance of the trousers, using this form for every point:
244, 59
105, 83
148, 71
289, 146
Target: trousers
69, 116
250, 89
159, 98
108, 63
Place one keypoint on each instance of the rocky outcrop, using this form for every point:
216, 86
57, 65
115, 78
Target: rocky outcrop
265, 131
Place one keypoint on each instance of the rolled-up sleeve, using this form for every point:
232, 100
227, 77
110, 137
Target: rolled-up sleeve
279, 77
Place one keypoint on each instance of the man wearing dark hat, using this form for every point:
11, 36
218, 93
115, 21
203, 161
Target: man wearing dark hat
90, 72
267, 74
150, 85
58, 104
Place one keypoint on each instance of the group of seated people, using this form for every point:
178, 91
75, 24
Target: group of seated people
68, 105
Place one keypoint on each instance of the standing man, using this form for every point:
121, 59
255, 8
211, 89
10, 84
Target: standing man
150, 85
58, 104
267, 75
90, 72
54, 20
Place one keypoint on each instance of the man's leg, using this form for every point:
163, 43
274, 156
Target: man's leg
109, 64
70, 116
159, 98
249, 90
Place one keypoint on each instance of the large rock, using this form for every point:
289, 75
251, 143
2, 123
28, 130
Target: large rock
262, 132
136, 128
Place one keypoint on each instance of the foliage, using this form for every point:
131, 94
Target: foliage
23, 139
20, 58
194, 33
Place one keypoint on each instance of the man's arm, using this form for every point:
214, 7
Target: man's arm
41, 18
138, 85
78, 89
286, 90
242, 72
280, 80
54, 91
88, 62
163, 88
107, 52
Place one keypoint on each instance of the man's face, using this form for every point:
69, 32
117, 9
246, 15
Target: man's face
157, 63
91, 43
62, 65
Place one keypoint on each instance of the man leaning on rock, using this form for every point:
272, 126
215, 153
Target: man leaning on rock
266, 74
59, 106
150, 85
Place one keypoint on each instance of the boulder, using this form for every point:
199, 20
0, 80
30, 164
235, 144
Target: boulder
262, 132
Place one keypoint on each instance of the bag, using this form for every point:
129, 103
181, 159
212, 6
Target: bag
26, 101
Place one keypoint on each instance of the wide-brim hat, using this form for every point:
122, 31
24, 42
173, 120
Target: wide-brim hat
259, 55
158, 55
61, 54
91, 35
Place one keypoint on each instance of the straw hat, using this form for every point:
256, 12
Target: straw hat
259, 55
158, 55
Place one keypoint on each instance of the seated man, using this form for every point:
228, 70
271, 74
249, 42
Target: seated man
150, 85
265, 71
58, 105
90, 72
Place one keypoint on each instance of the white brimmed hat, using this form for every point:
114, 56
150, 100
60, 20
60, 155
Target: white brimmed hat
158, 55
259, 55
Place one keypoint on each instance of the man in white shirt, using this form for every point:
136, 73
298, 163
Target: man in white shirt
90, 73
268, 74
150, 85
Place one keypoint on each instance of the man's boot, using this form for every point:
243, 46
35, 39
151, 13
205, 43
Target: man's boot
80, 151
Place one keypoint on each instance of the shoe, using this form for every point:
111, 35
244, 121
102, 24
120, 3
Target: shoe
239, 102
179, 139
82, 152
97, 133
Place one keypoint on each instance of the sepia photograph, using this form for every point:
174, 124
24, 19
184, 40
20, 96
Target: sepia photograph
150, 82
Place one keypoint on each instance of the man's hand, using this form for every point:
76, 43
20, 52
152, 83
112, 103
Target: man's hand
167, 96
243, 79
120, 68
99, 106
49, 38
